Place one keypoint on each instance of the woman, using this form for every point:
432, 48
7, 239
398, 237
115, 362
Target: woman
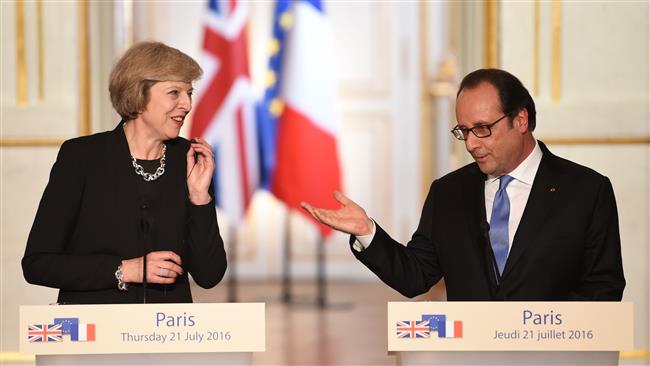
140, 188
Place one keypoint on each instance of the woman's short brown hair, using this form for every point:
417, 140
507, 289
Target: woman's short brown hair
143, 65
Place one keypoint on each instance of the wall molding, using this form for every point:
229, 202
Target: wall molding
583, 140
84, 89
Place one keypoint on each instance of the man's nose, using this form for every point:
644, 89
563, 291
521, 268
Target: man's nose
471, 141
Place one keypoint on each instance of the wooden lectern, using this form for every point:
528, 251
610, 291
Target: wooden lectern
509, 333
143, 334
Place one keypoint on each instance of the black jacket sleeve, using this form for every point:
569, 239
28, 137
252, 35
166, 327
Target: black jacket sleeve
206, 257
47, 260
411, 270
602, 266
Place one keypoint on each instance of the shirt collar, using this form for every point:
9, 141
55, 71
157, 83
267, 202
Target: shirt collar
526, 171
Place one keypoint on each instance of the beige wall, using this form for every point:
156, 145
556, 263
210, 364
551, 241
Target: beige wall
599, 64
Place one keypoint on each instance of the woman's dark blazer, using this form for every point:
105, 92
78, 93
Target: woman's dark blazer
91, 217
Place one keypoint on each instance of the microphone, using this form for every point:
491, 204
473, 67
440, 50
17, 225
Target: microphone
196, 155
145, 229
485, 232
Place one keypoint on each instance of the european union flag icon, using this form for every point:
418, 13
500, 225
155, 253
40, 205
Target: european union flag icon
434, 320
69, 326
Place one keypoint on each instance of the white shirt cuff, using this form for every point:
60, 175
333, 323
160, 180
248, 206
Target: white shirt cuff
363, 241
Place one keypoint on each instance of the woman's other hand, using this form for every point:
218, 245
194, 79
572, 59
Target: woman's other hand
162, 267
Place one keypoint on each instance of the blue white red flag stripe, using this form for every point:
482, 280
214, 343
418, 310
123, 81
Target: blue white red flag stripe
86, 333
224, 113
450, 329
307, 163
270, 108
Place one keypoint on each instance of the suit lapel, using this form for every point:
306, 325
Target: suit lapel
541, 202
474, 207
474, 201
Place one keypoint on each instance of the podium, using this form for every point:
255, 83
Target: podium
143, 334
509, 333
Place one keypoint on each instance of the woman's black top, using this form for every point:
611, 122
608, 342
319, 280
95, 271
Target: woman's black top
96, 211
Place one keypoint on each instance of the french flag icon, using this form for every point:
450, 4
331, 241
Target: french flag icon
450, 329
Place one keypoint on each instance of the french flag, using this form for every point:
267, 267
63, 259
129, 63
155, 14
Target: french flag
450, 329
224, 113
84, 333
307, 163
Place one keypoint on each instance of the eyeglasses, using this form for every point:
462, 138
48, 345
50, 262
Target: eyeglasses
479, 131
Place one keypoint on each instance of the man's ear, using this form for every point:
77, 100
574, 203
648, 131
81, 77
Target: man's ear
521, 120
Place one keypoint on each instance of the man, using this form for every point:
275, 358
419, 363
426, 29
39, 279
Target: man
517, 224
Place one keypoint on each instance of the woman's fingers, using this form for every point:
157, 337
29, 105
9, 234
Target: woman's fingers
164, 255
201, 147
163, 267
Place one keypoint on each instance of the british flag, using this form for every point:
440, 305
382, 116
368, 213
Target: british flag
224, 113
413, 329
45, 333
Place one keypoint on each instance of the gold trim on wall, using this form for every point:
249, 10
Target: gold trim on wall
637, 354
21, 58
17, 357
556, 50
39, 46
31, 142
84, 69
84, 78
536, 27
427, 132
491, 33
622, 140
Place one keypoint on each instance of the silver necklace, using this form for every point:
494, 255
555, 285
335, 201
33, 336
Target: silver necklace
148, 176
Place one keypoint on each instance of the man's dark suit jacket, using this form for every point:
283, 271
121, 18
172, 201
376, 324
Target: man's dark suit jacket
567, 245
90, 219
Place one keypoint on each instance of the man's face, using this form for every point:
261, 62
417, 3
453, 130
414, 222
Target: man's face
505, 148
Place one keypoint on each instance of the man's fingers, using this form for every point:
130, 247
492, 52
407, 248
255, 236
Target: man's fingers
341, 198
307, 207
319, 216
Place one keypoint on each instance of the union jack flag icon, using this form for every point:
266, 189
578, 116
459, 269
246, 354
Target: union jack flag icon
45, 333
413, 329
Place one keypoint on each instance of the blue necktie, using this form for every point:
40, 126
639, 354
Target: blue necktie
499, 223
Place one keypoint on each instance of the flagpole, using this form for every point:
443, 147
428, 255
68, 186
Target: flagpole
286, 264
232, 263
321, 299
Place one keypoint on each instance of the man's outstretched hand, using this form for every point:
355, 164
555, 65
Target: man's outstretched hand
350, 218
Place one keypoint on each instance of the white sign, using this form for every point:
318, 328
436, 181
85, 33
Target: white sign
142, 328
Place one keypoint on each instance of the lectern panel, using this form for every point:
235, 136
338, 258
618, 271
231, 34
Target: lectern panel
142, 328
